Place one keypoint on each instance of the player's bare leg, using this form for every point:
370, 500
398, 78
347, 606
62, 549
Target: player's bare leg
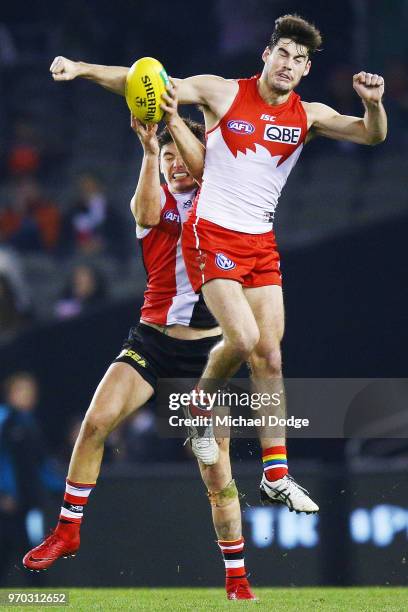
265, 361
226, 514
266, 374
226, 300
121, 391
228, 304
223, 497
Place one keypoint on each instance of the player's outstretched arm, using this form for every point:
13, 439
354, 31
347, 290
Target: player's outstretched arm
145, 204
190, 148
112, 78
370, 130
213, 91
209, 90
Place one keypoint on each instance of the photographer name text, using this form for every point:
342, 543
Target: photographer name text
238, 421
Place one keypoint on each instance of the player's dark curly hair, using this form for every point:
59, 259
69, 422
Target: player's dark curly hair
297, 29
198, 130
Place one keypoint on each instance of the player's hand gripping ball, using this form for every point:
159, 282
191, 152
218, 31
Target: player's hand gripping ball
145, 83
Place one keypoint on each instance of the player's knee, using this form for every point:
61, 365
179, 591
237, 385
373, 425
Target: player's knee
223, 497
224, 446
267, 363
244, 342
216, 476
94, 428
97, 424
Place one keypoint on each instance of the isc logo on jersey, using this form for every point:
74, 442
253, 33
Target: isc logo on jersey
171, 216
224, 262
282, 133
240, 127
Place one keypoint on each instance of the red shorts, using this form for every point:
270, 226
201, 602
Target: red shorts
211, 251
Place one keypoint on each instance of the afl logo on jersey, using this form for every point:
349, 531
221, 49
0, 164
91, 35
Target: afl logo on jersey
240, 127
171, 216
281, 133
224, 262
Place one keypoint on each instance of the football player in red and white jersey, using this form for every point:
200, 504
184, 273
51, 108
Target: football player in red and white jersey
256, 129
175, 334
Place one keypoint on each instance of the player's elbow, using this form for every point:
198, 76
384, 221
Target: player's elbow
377, 138
372, 142
147, 221
144, 217
197, 170
198, 177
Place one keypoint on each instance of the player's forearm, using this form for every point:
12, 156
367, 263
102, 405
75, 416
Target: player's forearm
112, 78
145, 204
190, 148
375, 122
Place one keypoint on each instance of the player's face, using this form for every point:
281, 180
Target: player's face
174, 170
285, 64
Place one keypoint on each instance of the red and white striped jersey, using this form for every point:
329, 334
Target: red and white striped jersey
250, 154
169, 297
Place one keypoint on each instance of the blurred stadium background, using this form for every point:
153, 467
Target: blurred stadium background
71, 283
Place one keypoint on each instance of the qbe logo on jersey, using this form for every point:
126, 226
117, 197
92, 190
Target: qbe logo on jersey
224, 262
282, 133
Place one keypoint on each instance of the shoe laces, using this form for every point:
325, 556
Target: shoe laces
204, 442
51, 539
292, 486
56, 538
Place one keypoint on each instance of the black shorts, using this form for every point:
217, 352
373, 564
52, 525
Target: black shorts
155, 355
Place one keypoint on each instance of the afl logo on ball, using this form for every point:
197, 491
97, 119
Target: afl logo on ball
240, 127
224, 262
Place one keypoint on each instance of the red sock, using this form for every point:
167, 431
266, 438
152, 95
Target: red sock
275, 463
199, 405
72, 509
233, 554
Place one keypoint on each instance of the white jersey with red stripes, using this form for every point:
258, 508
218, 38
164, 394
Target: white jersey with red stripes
250, 154
169, 297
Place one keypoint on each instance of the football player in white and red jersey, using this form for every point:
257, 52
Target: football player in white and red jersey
256, 129
175, 334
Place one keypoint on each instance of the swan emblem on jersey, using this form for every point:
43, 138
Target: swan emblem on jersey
224, 262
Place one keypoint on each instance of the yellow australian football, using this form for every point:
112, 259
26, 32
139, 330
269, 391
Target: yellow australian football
145, 83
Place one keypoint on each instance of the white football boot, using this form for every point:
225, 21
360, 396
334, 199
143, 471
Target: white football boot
286, 491
205, 449
202, 440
